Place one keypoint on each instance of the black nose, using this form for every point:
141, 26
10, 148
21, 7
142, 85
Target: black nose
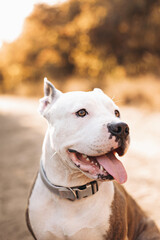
120, 129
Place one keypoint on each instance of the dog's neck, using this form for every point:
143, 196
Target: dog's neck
57, 171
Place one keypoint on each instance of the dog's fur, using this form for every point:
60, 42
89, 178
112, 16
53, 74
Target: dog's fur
109, 214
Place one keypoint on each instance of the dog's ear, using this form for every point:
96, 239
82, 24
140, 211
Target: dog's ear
51, 94
98, 90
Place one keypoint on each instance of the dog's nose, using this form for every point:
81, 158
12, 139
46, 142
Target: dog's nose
120, 129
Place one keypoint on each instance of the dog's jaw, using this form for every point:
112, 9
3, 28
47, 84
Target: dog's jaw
101, 167
61, 170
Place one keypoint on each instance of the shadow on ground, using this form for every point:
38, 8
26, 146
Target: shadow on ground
20, 154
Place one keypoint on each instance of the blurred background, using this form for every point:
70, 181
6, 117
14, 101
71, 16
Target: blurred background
78, 45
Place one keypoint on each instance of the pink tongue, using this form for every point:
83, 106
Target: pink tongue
113, 166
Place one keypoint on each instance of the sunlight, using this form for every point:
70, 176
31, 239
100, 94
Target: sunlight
12, 15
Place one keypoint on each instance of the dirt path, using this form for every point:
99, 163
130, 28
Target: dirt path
21, 135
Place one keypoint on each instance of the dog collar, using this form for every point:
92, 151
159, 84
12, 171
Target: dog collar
71, 193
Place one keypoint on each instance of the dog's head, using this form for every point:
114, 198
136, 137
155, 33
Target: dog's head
86, 131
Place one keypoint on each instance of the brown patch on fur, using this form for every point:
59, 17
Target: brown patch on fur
27, 210
118, 219
128, 220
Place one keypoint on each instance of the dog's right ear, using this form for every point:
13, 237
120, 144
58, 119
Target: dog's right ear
51, 94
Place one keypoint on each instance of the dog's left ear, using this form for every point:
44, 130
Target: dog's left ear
51, 94
98, 90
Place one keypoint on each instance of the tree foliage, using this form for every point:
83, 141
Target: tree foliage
84, 38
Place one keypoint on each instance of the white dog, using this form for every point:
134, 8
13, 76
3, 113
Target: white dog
74, 196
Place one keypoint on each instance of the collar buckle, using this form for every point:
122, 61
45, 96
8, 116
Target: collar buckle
67, 193
86, 190
79, 192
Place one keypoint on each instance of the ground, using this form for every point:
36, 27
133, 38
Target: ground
21, 135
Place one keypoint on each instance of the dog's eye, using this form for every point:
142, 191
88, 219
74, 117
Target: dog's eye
117, 113
81, 113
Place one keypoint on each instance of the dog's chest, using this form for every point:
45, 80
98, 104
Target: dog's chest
53, 218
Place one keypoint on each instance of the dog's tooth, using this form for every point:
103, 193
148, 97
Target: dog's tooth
84, 155
87, 159
101, 168
92, 161
96, 163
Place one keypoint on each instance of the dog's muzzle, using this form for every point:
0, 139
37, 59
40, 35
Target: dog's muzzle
105, 166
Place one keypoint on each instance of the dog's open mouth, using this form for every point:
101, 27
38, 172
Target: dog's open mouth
104, 167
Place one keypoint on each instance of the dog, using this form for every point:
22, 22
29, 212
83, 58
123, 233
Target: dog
78, 192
